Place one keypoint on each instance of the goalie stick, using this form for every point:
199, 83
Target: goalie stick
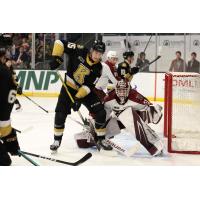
80, 161
127, 152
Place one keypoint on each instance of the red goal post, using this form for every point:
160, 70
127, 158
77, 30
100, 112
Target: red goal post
182, 112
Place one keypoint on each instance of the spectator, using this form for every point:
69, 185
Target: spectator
142, 63
25, 44
40, 54
177, 64
193, 64
22, 59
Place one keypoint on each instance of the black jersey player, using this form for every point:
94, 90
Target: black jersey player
83, 71
15, 79
8, 137
124, 69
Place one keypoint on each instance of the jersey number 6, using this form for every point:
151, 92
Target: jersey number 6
12, 96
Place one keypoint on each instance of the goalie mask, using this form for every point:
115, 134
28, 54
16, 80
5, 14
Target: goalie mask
122, 91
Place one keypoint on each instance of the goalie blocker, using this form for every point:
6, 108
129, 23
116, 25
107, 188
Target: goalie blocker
127, 109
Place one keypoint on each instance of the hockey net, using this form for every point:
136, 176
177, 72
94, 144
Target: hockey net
182, 112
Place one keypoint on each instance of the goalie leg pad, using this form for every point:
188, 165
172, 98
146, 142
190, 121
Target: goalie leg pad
146, 136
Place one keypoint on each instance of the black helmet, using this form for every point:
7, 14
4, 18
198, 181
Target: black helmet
127, 54
99, 46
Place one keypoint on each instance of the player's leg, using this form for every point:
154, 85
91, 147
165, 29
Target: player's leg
7, 134
143, 133
63, 108
94, 105
4, 157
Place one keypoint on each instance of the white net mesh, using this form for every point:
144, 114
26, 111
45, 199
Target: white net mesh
186, 112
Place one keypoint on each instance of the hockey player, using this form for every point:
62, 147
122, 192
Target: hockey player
19, 89
111, 61
122, 106
124, 69
8, 137
83, 72
109, 76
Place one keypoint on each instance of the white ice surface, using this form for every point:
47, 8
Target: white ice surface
40, 137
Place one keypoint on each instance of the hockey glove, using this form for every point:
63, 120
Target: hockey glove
55, 62
11, 143
77, 104
134, 70
19, 90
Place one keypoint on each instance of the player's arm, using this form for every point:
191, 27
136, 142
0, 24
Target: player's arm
106, 76
109, 74
89, 82
60, 47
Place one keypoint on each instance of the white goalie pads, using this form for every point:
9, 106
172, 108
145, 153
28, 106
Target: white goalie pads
134, 124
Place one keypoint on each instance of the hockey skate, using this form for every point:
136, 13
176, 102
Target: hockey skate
56, 144
104, 145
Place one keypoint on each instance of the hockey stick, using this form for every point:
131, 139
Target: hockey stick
24, 130
35, 103
21, 153
70, 96
127, 152
147, 43
82, 160
158, 57
127, 44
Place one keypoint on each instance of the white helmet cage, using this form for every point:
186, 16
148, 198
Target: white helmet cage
122, 90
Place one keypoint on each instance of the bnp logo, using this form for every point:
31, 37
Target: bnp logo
39, 79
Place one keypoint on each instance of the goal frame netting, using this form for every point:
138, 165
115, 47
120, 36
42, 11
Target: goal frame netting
168, 109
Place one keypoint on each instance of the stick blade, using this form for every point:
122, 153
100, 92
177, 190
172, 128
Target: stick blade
83, 159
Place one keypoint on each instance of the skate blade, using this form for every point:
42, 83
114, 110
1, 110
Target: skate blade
111, 153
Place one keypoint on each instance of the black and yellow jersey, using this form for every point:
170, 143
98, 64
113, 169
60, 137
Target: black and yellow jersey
7, 85
82, 73
124, 70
